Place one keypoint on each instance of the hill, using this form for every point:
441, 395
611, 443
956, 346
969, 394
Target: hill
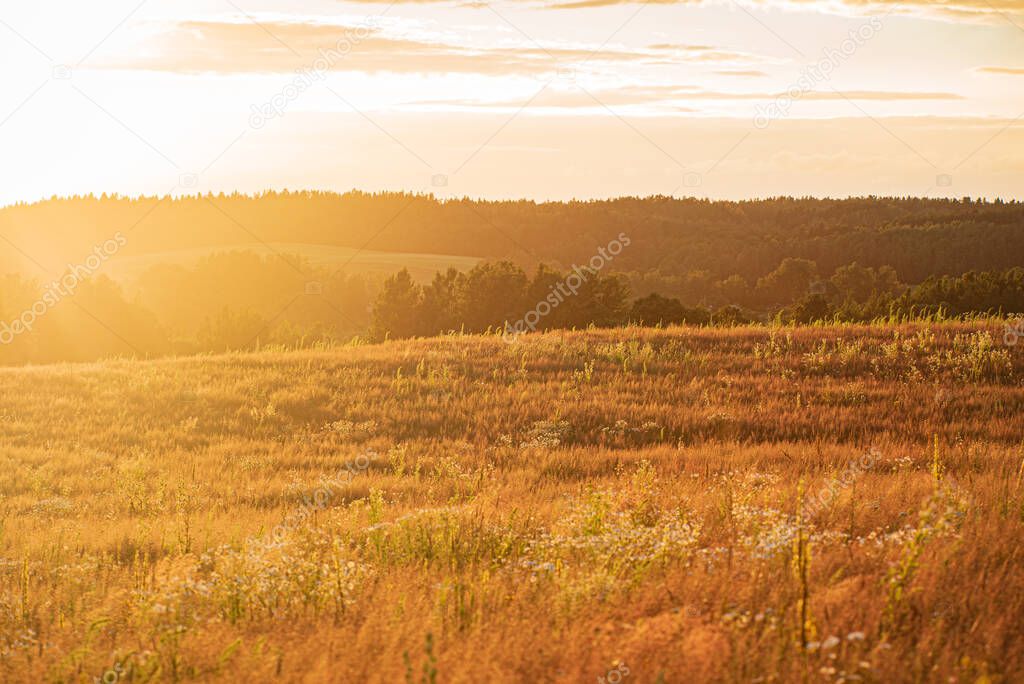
672, 237
130, 269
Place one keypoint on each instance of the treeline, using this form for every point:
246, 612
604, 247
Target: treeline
682, 247
225, 302
500, 297
998, 293
242, 301
788, 282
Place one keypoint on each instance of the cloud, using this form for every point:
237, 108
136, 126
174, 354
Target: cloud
1004, 71
748, 73
951, 11
884, 95
577, 98
282, 47
674, 97
921, 6
704, 53
990, 10
246, 47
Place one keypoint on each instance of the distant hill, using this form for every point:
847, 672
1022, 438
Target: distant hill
917, 237
421, 266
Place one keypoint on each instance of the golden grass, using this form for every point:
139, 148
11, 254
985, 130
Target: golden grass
620, 504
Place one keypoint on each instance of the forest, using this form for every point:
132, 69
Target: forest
647, 261
671, 237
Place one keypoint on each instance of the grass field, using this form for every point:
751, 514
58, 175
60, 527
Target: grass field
830, 504
421, 266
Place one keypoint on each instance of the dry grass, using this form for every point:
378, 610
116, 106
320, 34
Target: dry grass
610, 504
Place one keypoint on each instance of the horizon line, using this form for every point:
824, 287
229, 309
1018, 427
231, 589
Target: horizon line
117, 196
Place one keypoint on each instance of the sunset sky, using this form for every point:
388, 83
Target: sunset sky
546, 99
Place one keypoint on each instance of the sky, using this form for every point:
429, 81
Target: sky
542, 99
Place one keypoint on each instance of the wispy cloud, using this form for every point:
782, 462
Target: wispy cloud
244, 47
676, 97
952, 10
1003, 71
743, 73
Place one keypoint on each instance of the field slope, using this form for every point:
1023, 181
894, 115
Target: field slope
681, 505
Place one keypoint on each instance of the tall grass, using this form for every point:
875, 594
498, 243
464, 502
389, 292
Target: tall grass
678, 504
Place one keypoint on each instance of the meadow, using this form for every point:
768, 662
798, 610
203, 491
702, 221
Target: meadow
422, 266
748, 504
